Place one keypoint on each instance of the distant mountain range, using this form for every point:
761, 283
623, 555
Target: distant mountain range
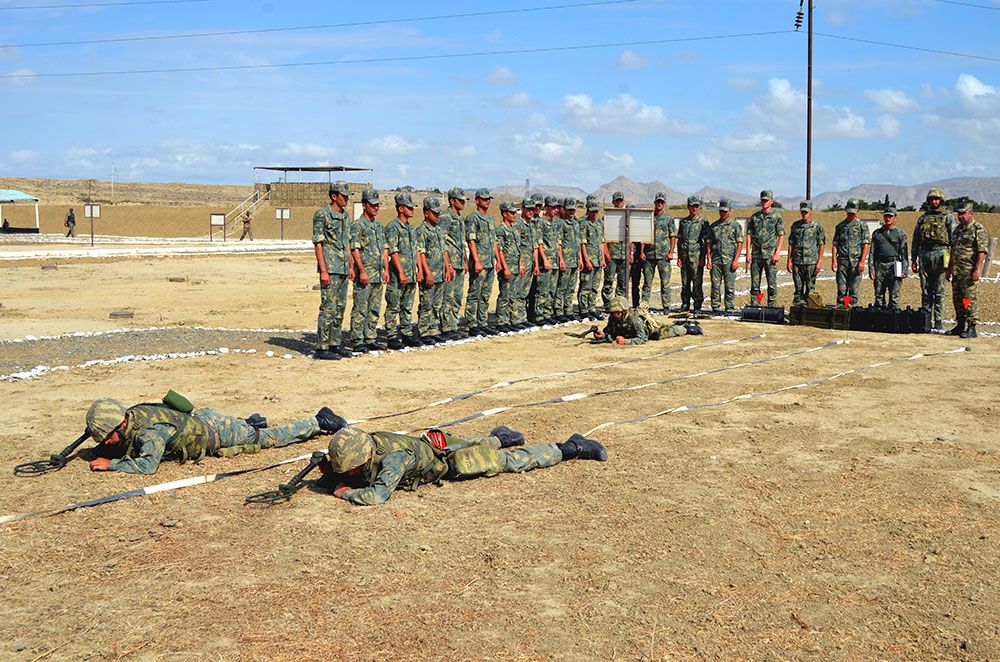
980, 189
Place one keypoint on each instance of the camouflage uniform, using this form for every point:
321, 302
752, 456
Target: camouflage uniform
569, 240
764, 230
332, 230
403, 461
432, 242
523, 235
692, 234
615, 278
454, 228
367, 237
507, 242
401, 238
805, 241
931, 242
149, 437
967, 241
548, 280
887, 248
592, 239
657, 262
850, 239
482, 230
724, 237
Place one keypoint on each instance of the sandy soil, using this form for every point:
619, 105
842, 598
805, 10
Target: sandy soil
851, 519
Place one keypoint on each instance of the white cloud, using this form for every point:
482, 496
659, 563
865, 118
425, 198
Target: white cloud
891, 101
781, 97
624, 161
22, 156
549, 145
536, 119
500, 76
976, 96
629, 59
393, 145
306, 152
751, 143
24, 77
518, 99
623, 114
741, 83
86, 158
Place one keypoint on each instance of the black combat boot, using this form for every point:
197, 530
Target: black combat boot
395, 343
326, 355
507, 436
328, 421
970, 331
578, 447
958, 330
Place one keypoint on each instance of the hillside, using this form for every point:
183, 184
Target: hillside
173, 194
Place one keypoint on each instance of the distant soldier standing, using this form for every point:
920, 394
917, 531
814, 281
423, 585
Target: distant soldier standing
539, 265
526, 247
370, 255
434, 273
509, 267
331, 235
247, 226
805, 253
656, 258
549, 259
692, 246
481, 234
70, 223
725, 242
931, 245
615, 273
969, 245
888, 260
850, 253
401, 238
765, 238
453, 224
594, 255
569, 256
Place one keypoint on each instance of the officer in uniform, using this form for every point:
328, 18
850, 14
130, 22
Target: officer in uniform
370, 254
453, 224
765, 237
481, 235
851, 245
931, 246
365, 469
148, 433
569, 261
692, 246
331, 235
434, 273
70, 223
888, 260
615, 278
969, 245
594, 254
656, 258
725, 242
805, 252
524, 235
401, 238
509, 268
549, 265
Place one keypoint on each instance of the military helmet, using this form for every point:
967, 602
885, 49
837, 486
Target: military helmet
103, 417
935, 193
350, 448
618, 305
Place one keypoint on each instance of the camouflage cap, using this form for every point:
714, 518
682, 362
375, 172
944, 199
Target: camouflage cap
537, 199
618, 305
767, 194
484, 194
456, 194
593, 205
660, 197
404, 200
963, 207
528, 203
724, 204
616, 196
340, 188
432, 203
889, 211
694, 201
103, 417
350, 448
370, 196
552, 201
569, 203
806, 205
935, 193
852, 206
508, 206
592, 198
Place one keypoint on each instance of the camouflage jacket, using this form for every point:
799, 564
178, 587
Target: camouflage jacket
550, 239
401, 238
850, 238
592, 237
888, 246
333, 230
805, 240
631, 327
967, 241
509, 246
400, 461
454, 229
764, 230
525, 243
664, 229
368, 237
692, 234
433, 243
724, 237
481, 229
569, 239
933, 230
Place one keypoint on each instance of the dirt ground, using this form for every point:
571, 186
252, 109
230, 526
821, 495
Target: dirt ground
855, 518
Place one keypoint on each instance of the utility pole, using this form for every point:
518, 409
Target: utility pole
809, 93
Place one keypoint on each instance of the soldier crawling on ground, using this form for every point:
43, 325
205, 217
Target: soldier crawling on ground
635, 327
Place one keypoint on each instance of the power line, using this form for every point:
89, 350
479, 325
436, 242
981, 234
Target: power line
326, 26
402, 58
102, 4
966, 4
936, 51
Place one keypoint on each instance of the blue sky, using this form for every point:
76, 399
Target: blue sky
725, 112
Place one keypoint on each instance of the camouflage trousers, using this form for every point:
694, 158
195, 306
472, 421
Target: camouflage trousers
522, 285
848, 281
332, 304
723, 282
71, 232
430, 312
590, 283
963, 287
932, 268
477, 302
886, 285
515, 460
365, 313
761, 265
452, 307
545, 299
247, 232
399, 307
652, 268
235, 431
693, 282
506, 298
615, 281
804, 280
564, 290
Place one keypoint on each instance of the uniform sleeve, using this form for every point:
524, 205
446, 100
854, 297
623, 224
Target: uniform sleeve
821, 238
671, 227
904, 252
392, 238
394, 467
420, 245
779, 226
867, 238
470, 228
356, 235
318, 234
982, 241
152, 443
916, 235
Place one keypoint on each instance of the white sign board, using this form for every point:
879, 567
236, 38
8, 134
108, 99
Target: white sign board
358, 210
92, 211
641, 225
614, 224
282, 213
872, 225
218, 220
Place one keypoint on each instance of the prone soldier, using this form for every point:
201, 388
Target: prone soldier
725, 243
931, 246
331, 235
805, 252
888, 260
631, 327
370, 254
692, 248
765, 237
969, 245
434, 273
850, 250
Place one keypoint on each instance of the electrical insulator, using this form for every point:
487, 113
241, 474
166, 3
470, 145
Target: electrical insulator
798, 19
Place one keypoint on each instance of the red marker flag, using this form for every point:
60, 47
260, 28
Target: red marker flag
966, 303
847, 301
760, 297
